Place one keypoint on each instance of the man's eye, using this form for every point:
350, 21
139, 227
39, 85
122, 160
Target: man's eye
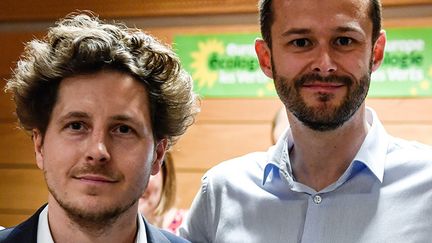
344, 41
301, 42
124, 129
75, 126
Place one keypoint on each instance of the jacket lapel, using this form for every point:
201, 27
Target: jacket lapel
153, 234
26, 231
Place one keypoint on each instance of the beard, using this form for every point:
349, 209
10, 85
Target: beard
326, 117
91, 220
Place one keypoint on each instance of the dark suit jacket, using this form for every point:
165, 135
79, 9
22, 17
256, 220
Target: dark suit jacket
26, 232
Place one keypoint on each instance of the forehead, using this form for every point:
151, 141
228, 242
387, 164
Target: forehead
105, 93
320, 13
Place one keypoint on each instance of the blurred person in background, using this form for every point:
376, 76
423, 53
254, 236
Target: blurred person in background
157, 203
103, 103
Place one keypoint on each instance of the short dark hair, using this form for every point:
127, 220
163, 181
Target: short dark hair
82, 44
266, 19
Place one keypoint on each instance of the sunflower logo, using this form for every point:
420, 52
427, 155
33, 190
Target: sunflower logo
202, 74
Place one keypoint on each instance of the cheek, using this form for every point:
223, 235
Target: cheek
59, 159
288, 66
137, 151
136, 159
63, 150
360, 69
358, 65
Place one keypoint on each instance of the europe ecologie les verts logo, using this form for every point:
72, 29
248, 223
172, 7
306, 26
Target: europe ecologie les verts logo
224, 66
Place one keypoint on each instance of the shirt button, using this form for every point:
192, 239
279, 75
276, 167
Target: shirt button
317, 199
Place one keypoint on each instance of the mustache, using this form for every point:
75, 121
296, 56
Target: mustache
98, 169
314, 77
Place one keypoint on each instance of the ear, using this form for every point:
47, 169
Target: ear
264, 57
378, 51
38, 147
161, 148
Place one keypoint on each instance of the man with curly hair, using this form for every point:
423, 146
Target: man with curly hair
103, 103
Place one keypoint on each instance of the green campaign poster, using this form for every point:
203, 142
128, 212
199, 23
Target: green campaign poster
225, 65
407, 67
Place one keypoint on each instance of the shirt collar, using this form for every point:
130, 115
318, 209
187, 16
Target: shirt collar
278, 160
142, 235
372, 152
44, 233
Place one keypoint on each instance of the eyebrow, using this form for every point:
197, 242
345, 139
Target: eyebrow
74, 114
84, 115
127, 118
303, 31
344, 29
297, 31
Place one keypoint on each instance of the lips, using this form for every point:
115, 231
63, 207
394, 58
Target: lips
95, 174
323, 85
316, 81
96, 178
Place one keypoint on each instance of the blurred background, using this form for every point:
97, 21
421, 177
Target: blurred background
214, 40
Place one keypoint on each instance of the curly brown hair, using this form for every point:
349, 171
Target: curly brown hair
81, 43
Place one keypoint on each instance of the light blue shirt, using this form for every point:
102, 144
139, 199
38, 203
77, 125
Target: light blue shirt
385, 195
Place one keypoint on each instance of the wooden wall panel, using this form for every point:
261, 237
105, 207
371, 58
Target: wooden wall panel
407, 22
415, 110
404, 2
12, 219
206, 145
246, 110
51, 9
11, 47
11, 10
415, 132
22, 190
16, 147
7, 106
188, 184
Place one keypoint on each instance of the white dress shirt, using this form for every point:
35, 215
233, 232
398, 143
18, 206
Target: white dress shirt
44, 232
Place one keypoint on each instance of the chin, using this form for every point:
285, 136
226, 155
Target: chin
91, 213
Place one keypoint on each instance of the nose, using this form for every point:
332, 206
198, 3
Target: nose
324, 63
97, 150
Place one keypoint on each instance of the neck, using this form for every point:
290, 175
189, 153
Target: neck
64, 228
319, 159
